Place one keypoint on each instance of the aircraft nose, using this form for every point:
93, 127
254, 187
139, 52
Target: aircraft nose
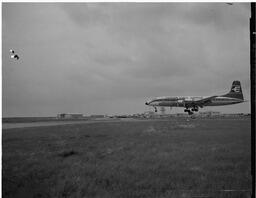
146, 103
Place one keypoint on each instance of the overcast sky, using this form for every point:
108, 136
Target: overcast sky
109, 58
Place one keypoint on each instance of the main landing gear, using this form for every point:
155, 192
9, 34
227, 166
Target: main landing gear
191, 111
155, 109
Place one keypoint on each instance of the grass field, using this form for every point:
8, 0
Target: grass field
175, 158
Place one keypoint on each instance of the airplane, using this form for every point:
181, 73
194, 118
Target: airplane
192, 103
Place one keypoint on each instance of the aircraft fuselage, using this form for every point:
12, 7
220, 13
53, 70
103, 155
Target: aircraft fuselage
187, 101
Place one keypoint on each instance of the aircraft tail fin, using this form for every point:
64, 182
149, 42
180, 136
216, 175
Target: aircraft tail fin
236, 91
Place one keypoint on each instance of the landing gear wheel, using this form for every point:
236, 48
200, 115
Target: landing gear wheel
194, 109
155, 109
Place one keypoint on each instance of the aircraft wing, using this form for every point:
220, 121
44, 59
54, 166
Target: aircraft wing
203, 101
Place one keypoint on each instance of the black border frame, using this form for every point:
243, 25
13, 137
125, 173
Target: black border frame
252, 68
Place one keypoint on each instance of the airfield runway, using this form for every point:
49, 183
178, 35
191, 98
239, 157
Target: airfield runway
128, 158
55, 123
37, 124
13, 125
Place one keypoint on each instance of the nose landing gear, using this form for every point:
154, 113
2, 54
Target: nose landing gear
155, 109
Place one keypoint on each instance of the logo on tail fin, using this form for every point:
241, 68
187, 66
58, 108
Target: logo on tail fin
236, 89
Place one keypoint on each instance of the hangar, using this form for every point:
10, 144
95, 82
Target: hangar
69, 115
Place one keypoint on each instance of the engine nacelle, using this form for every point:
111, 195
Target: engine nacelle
180, 101
188, 99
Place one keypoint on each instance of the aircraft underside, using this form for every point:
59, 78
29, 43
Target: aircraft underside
189, 109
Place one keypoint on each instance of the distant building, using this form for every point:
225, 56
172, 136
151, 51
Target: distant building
69, 115
234, 115
209, 113
97, 116
149, 114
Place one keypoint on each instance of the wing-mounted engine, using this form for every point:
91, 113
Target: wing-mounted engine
180, 101
189, 99
193, 104
188, 102
185, 101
